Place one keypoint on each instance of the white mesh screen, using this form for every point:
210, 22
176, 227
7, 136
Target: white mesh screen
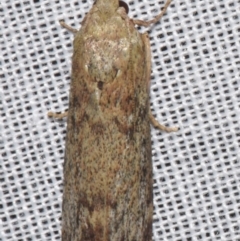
195, 85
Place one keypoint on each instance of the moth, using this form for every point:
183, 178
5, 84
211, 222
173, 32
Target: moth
108, 183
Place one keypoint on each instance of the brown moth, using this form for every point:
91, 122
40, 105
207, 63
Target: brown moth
107, 170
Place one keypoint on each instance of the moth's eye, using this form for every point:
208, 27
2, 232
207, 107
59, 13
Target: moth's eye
124, 5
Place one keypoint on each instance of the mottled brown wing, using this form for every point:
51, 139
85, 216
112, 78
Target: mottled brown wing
108, 171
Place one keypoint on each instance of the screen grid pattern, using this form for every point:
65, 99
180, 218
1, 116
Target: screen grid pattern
194, 85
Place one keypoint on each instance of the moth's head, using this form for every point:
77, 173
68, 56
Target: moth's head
108, 6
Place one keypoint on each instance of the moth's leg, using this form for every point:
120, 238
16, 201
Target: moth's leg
57, 116
147, 23
159, 126
64, 25
153, 121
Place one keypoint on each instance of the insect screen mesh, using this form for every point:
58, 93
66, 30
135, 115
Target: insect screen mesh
195, 85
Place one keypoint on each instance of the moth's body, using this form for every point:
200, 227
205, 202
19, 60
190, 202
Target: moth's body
108, 170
